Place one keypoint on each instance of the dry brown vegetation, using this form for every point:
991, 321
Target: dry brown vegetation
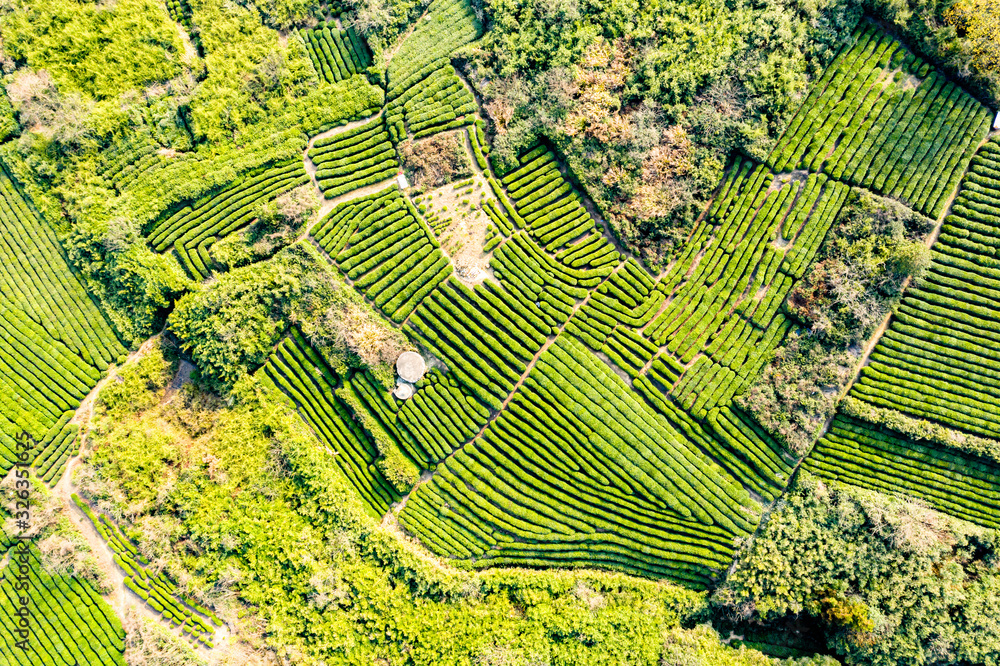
435, 161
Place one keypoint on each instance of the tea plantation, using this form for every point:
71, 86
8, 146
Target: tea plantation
622, 268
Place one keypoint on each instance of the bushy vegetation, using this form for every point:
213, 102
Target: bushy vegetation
850, 557
647, 109
872, 250
436, 161
230, 326
629, 350
240, 474
101, 52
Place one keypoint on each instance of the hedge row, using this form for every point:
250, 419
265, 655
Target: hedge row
614, 485
543, 285
446, 26
310, 384
51, 461
441, 102
726, 293
70, 622
925, 128
441, 417
354, 158
157, 591
163, 187
732, 439
938, 360
608, 322
549, 207
376, 410
192, 229
593, 251
951, 481
336, 54
386, 249
423, 56
482, 336
54, 341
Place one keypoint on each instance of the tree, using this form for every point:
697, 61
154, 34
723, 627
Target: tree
979, 22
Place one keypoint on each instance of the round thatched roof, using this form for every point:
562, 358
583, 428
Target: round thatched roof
410, 366
404, 390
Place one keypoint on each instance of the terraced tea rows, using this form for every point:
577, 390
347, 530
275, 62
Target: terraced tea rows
310, 384
353, 159
336, 54
193, 229
441, 102
174, 179
56, 448
54, 342
484, 339
383, 246
376, 410
956, 483
883, 119
545, 287
72, 623
939, 360
725, 315
447, 25
156, 590
548, 206
441, 417
578, 471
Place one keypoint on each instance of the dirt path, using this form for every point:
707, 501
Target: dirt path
183, 376
329, 204
120, 597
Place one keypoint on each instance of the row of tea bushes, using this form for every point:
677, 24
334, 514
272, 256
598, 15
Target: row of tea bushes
54, 341
938, 360
882, 119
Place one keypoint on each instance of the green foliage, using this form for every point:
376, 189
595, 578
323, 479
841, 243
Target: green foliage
230, 326
136, 285
398, 470
251, 73
344, 588
874, 246
102, 51
284, 14
702, 645
797, 392
648, 129
941, 31
8, 124
135, 387
849, 557
278, 223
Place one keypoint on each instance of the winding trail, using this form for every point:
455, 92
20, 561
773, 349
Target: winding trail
121, 598
329, 204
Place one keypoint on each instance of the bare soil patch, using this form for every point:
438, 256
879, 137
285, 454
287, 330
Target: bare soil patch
456, 213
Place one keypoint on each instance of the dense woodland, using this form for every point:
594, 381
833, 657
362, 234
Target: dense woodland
708, 292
